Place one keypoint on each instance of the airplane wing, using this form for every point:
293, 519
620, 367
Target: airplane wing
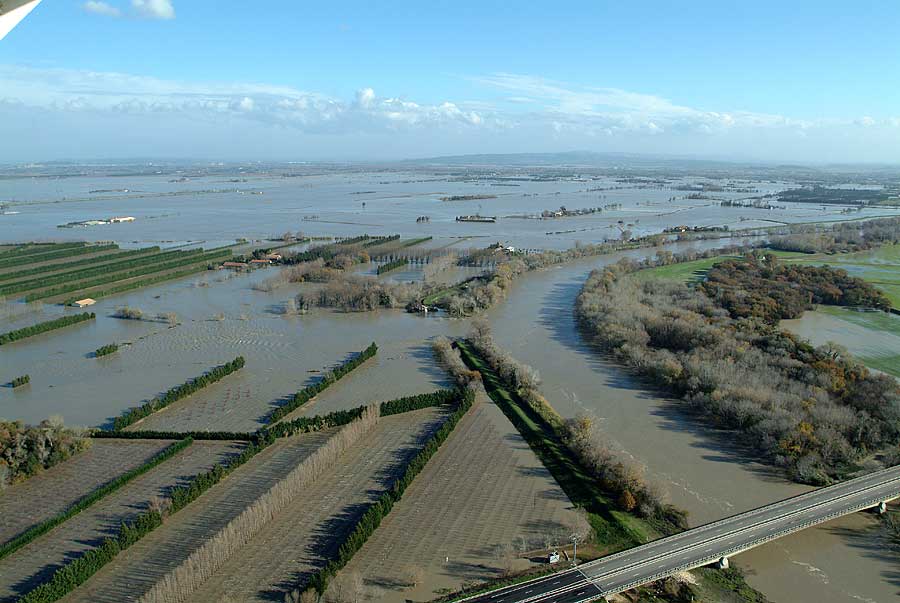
13, 11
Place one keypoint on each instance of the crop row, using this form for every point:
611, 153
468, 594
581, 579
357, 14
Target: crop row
378, 510
106, 489
55, 255
27, 249
178, 392
119, 276
83, 273
42, 327
310, 391
392, 265
8, 276
144, 282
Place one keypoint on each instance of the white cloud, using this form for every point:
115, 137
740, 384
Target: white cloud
154, 9
531, 114
101, 8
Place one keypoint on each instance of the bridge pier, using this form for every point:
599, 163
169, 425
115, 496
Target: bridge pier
722, 563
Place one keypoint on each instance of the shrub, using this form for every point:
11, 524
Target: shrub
27, 449
20, 381
106, 350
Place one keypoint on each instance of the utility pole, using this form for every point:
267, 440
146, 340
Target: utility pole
575, 538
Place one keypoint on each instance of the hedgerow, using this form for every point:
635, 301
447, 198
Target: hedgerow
309, 392
19, 381
43, 327
88, 500
393, 265
378, 510
133, 415
55, 255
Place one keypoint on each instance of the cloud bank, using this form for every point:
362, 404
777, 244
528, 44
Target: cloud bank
113, 113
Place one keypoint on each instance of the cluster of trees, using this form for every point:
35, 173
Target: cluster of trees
113, 276
839, 237
86, 501
181, 581
761, 286
128, 313
381, 240
105, 350
449, 358
43, 327
20, 381
361, 294
392, 265
29, 449
133, 415
324, 252
813, 411
625, 479
310, 391
378, 510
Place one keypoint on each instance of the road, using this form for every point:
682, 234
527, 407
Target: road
702, 545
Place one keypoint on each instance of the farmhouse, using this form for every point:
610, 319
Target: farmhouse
81, 303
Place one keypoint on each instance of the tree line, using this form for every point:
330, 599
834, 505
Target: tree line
310, 391
55, 255
89, 499
77, 263
133, 415
43, 327
813, 411
392, 265
839, 237
377, 511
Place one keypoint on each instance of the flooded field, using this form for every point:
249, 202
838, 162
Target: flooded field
220, 315
216, 210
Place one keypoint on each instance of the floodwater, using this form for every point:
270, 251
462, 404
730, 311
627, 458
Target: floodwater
220, 316
213, 210
839, 562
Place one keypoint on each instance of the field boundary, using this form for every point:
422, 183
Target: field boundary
89, 499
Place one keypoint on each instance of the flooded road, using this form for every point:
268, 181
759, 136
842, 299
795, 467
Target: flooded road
840, 562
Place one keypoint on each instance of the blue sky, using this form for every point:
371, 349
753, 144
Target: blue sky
789, 80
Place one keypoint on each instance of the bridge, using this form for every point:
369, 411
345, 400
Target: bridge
712, 543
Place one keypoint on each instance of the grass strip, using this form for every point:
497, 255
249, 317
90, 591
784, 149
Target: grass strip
378, 510
133, 415
311, 391
43, 327
106, 260
105, 490
611, 526
124, 275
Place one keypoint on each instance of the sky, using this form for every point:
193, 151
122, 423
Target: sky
796, 81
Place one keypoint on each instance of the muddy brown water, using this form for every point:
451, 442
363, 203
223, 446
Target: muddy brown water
842, 561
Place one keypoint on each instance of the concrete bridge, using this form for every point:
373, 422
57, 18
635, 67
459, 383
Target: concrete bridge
709, 544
